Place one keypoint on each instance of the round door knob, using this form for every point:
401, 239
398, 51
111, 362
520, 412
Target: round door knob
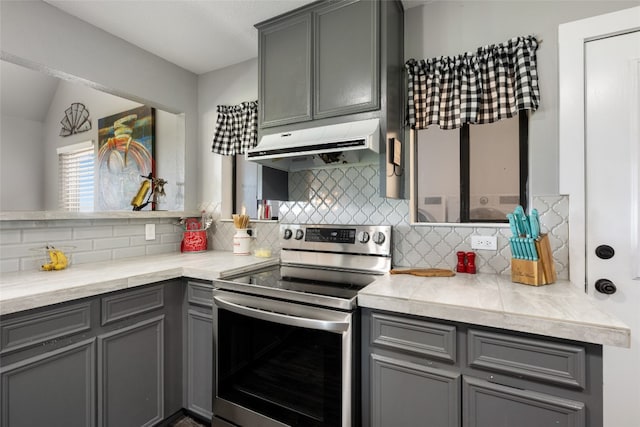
605, 286
287, 234
299, 234
378, 238
363, 237
605, 252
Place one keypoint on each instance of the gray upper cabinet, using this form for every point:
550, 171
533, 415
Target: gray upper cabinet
285, 71
346, 58
321, 61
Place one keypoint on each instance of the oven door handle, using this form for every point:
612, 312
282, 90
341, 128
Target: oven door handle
285, 319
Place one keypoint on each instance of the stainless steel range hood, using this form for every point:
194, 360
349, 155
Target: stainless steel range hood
345, 143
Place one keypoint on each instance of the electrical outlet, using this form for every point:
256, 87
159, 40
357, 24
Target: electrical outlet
150, 232
253, 232
486, 243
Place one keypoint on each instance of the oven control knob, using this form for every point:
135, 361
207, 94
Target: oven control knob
363, 237
287, 234
378, 237
299, 234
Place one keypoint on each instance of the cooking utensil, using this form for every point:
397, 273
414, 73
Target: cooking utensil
521, 221
515, 249
534, 220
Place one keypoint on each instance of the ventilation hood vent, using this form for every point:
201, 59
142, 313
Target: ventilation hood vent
332, 145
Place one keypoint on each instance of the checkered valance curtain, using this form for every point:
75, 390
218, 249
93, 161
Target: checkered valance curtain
482, 87
236, 128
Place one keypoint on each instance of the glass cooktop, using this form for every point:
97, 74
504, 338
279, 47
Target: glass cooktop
324, 287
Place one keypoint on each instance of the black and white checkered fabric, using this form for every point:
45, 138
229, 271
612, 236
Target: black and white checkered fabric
236, 128
492, 84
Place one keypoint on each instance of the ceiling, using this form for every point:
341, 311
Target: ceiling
198, 35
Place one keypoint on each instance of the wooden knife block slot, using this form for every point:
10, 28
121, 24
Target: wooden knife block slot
535, 273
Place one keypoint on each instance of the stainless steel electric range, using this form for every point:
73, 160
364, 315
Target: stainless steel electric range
285, 338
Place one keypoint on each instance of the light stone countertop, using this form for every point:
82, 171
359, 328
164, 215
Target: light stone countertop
31, 289
560, 310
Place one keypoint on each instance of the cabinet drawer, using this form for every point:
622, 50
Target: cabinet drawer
131, 303
33, 329
546, 361
422, 338
200, 294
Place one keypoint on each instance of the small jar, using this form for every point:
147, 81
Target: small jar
241, 242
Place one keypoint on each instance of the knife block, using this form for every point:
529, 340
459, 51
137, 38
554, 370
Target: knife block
535, 273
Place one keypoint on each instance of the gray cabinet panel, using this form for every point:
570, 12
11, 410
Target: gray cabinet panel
52, 389
405, 394
131, 303
131, 375
200, 294
418, 337
346, 58
493, 405
199, 363
551, 362
285, 72
33, 329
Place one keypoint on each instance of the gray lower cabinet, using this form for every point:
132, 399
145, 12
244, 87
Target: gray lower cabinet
110, 360
425, 372
131, 375
408, 394
55, 388
494, 405
199, 349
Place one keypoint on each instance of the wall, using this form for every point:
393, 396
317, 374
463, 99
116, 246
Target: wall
444, 28
42, 37
228, 86
21, 164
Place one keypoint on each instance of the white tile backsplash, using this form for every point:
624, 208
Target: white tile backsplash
350, 196
22, 243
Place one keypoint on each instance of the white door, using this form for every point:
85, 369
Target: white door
612, 162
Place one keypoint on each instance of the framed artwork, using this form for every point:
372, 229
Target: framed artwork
126, 156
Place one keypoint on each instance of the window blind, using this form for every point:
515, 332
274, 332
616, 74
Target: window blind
76, 177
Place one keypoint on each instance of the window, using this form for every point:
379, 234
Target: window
76, 177
477, 173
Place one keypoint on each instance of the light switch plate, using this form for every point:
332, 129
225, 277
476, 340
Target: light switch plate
150, 232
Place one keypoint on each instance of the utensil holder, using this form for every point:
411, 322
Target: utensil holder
535, 273
194, 241
194, 238
241, 242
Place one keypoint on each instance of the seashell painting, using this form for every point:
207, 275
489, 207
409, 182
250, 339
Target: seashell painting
76, 119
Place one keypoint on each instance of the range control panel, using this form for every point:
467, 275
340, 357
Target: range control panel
361, 239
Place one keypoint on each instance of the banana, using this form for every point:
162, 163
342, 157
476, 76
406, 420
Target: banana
53, 257
58, 260
62, 261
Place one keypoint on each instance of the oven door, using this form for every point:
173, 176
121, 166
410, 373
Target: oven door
280, 363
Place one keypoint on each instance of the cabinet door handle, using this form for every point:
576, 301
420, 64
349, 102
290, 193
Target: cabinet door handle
285, 319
